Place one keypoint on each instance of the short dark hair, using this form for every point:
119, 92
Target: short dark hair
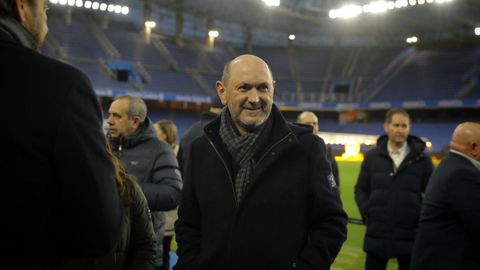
390, 113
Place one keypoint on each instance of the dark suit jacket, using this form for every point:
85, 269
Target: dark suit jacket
59, 197
449, 232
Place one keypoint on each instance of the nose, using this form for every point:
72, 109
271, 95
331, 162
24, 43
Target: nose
253, 96
109, 120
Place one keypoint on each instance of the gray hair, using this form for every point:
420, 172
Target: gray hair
136, 107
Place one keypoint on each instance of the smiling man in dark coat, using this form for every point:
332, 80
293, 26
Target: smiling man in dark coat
59, 198
259, 192
449, 230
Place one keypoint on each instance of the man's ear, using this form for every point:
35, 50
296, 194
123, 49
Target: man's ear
221, 92
19, 11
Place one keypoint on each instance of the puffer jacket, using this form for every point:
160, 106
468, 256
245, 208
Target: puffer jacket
155, 166
390, 201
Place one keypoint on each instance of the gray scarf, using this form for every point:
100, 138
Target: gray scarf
242, 149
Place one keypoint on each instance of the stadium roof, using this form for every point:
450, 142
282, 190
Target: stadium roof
453, 18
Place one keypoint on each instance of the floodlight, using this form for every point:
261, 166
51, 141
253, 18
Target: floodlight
71, 2
420, 2
79, 3
390, 5
213, 33
103, 6
150, 24
111, 8
95, 5
412, 2
125, 10
272, 3
62, 2
87, 4
118, 9
291, 37
54, 1
477, 31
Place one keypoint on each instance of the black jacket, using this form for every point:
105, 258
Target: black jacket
390, 201
195, 131
59, 196
291, 215
155, 166
448, 233
135, 250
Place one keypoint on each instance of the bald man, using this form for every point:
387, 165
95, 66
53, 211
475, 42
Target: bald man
309, 118
257, 191
449, 231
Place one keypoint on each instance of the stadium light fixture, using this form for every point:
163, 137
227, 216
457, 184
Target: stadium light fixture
150, 24
477, 31
119, 9
213, 33
291, 37
411, 40
379, 6
272, 3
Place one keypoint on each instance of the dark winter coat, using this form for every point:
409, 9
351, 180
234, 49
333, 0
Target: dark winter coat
59, 197
195, 131
155, 166
135, 250
390, 201
449, 230
291, 215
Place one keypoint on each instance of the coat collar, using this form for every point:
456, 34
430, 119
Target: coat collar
11, 30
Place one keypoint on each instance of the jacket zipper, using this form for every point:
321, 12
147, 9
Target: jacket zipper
271, 147
226, 168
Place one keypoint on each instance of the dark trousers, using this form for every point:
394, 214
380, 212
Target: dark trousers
167, 240
375, 262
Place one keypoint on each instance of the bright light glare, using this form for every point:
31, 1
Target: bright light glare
79, 3
477, 31
421, 2
378, 6
118, 9
62, 2
87, 4
54, 1
150, 24
111, 8
103, 6
125, 10
213, 33
390, 5
346, 12
95, 5
413, 39
412, 2
71, 3
291, 37
272, 3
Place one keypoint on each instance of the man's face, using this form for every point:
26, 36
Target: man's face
120, 125
308, 118
248, 93
398, 129
34, 19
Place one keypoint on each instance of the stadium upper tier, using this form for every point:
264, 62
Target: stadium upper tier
304, 74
